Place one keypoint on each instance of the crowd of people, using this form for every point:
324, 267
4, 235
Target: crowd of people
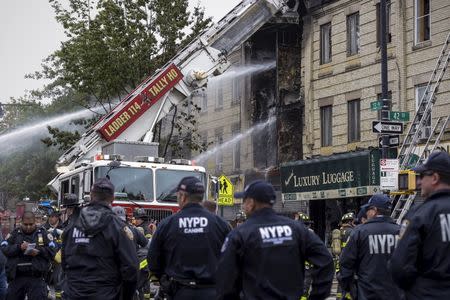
97, 253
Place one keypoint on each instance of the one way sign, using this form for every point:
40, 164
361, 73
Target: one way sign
387, 127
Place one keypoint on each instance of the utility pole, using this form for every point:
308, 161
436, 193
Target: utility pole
386, 102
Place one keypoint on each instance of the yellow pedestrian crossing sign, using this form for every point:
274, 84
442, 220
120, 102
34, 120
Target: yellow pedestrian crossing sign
226, 191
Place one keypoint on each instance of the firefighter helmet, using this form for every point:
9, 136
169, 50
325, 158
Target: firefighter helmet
70, 200
348, 217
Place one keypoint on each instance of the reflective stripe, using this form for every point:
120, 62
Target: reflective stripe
143, 264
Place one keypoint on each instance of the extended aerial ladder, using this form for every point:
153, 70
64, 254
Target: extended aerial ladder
134, 118
407, 154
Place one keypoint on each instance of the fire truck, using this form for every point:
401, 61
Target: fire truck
119, 146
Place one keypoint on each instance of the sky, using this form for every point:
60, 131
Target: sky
29, 33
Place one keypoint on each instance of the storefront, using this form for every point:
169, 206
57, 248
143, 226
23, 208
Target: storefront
332, 185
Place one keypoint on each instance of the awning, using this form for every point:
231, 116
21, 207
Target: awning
352, 174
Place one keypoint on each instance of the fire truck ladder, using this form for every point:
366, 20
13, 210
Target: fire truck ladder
421, 118
405, 201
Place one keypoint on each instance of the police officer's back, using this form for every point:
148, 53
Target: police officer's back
185, 248
265, 257
368, 251
98, 254
421, 263
29, 251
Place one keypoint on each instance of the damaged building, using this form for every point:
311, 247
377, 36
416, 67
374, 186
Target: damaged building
310, 77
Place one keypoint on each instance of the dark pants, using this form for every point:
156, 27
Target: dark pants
33, 287
187, 293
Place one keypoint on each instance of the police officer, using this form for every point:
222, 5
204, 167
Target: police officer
29, 251
368, 251
185, 248
421, 263
265, 257
98, 253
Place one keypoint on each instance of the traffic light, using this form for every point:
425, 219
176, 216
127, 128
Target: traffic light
407, 181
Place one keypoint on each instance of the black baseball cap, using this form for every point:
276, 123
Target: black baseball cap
259, 190
438, 161
379, 201
191, 185
103, 185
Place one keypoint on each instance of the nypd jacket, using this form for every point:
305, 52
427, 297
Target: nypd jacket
19, 264
421, 263
265, 257
99, 255
186, 245
367, 254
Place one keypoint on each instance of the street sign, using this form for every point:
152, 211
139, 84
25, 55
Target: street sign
389, 174
387, 127
376, 105
226, 191
394, 141
399, 116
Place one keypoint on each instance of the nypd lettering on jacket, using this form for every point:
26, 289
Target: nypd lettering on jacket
193, 224
276, 235
445, 227
79, 236
382, 243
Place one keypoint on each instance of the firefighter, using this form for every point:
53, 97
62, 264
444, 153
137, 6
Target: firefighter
304, 218
368, 251
421, 263
29, 250
71, 207
264, 258
185, 248
240, 218
142, 221
99, 256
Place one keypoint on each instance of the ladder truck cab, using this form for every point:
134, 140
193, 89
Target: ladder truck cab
141, 179
147, 182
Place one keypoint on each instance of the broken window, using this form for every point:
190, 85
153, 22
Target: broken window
325, 125
354, 120
325, 43
353, 34
422, 20
388, 23
236, 91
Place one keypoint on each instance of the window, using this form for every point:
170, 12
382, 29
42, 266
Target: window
420, 92
219, 152
235, 130
219, 97
353, 34
203, 102
236, 90
325, 43
421, 20
325, 125
354, 120
388, 23
75, 185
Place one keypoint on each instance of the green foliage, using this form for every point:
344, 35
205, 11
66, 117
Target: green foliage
26, 174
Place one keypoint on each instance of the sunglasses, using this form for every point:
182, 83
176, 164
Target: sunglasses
426, 173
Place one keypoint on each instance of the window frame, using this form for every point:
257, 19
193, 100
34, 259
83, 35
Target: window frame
219, 154
235, 130
326, 134
325, 30
354, 120
353, 34
417, 19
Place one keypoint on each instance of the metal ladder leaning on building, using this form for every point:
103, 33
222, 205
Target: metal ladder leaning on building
421, 118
